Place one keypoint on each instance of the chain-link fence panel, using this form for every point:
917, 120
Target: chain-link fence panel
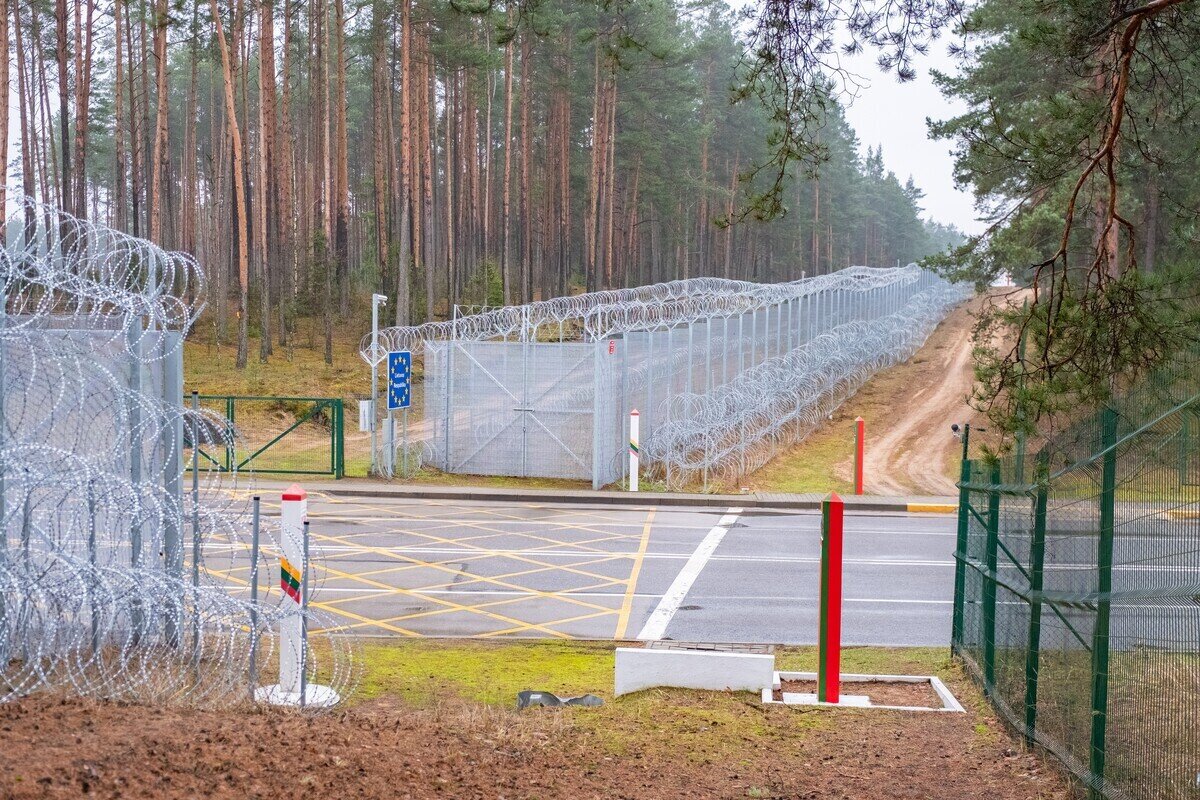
1077, 586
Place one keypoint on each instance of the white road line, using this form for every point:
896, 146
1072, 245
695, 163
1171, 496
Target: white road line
656, 626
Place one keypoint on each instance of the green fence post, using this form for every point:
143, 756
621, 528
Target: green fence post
1104, 562
340, 438
229, 443
989, 581
1037, 557
960, 556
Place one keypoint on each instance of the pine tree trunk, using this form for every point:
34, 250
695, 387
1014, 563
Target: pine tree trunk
511, 289
342, 199
161, 119
526, 213
379, 141
269, 170
64, 122
239, 191
407, 247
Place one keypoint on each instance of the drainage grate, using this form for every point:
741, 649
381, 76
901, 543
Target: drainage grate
752, 649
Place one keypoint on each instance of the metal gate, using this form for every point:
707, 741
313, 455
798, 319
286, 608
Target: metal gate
515, 408
285, 435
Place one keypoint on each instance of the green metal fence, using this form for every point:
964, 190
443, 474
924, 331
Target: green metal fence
274, 435
1077, 592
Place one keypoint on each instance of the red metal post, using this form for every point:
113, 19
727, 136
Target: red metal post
829, 637
860, 438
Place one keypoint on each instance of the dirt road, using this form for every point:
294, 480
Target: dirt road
912, 448
908, 410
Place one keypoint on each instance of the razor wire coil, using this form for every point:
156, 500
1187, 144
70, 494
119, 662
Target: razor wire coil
100, 594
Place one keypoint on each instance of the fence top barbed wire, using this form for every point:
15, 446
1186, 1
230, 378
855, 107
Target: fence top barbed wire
606, 313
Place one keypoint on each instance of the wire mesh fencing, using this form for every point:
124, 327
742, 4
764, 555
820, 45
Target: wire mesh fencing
724, 374
118, 577
1077, 591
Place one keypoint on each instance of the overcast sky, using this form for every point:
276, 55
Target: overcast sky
893, 114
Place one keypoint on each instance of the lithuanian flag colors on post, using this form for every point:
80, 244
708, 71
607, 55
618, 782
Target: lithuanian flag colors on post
289, 579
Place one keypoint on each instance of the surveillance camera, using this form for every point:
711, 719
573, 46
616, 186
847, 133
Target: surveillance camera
954, 427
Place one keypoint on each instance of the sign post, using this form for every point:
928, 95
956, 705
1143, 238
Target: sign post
376, 301
829, 636
399, 397
634, 424
293, 689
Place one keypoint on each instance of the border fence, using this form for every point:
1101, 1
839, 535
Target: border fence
118, 578
1077, 591
723, 373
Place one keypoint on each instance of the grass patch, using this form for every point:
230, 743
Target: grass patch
421, 671
698, 726
812, 467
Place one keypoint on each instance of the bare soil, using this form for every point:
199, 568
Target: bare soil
54, 747
908, 411
880, 693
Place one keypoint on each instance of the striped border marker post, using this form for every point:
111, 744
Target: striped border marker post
860, 439
634, 453
293, 512
829, 636
295, 579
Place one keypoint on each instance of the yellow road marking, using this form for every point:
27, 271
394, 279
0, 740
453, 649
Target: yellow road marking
932, 508
449, 603
627, 602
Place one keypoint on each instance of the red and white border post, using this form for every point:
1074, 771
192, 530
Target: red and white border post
634, 445
860, 439
829, 636
294, 580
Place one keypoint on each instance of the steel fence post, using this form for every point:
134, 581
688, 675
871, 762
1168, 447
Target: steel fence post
725, 349
196, 514
341, 440
989, 580
596, 367
1037, 556
449, 393
254, 543
670, 386
91, 503
305, 588
1100, 635
374, 381
960, 555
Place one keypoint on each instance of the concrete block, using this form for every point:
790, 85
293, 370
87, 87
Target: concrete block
639, 668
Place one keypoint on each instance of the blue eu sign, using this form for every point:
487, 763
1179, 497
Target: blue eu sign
399, 374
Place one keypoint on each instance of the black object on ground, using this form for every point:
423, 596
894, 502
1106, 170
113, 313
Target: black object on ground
529, 698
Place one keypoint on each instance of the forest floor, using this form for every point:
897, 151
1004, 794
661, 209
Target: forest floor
437, 719
908, 410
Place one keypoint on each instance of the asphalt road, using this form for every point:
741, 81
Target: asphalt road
396, 567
